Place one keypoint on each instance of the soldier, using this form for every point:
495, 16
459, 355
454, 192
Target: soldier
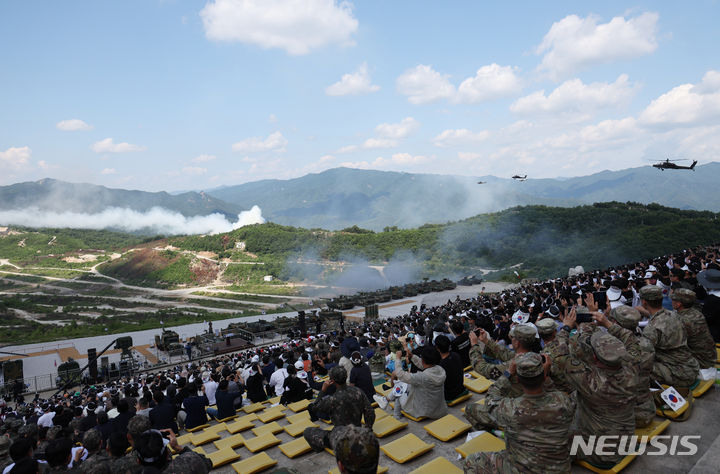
536, 424
347, 406
151, 452
606, 387
547, 329
356, 449
699, 339
622, 323
674, 363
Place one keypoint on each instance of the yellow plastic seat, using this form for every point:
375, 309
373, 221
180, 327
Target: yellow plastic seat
222, 457
406, 448
387, 426
272, 401
653, 429
468, 368
702, 387
197, 428
303, 415
408, 415
295, 448
217, 428
230, 442
270, 415
613, 470
475, 374
380, 413
241, 424
199, 439
231, 417
253, 408
381, 391
299, 406
273, 428
296, 429
438, 466
717, 353
447, 428
184, 439
380, 470
478, 385
254, 464
485, 443
261, 442
459, 400
198, 450
669, 413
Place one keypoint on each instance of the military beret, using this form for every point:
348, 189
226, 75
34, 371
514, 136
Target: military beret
546, 326
529, 364
524, 333
626, 316
683, 295
651, 293
358, 449
608, 349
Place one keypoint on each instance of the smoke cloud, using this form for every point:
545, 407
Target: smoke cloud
155, 220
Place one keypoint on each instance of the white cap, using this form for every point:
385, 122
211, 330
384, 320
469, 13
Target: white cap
299, 365
255, 359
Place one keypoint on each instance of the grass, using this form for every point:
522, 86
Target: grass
267, 289
242, 297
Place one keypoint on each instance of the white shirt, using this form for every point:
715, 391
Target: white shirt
210, 389
46, 419
277, 379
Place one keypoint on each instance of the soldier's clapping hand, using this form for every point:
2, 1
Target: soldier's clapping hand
601, 319
569, 319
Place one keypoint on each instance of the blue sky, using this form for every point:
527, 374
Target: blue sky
168, 95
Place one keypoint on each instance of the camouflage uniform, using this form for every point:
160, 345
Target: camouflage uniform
537, 427
606, 395
356, 448
188, 462
642, 355
347, 406
4, 449
377, 363
98, 461
557, 352
699, 340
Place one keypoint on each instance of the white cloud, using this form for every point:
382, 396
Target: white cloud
15, 157
107, 146
422, 84
575, 97
372, 143
490, 82
348, 149
610, 130
194, 170
408, 159
461, 136
272, 118
356, 83
397, 130
469, 156
203, 158
109, 171
573, 42
274, 142
397, 159
44, 165
326, 158
296, 26
686, 104
73, 125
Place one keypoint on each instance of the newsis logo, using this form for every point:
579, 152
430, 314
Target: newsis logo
624, 445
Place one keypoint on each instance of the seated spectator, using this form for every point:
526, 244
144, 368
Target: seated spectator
163, 415
294, 389
360, 375
461, 344
356, 450
451, 363
195, 407
225, 402
255, 385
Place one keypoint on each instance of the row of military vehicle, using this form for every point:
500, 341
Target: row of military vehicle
327, 319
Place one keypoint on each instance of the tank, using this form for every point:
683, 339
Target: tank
448, 284
166, 339
66, 372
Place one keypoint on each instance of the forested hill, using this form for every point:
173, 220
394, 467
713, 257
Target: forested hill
546, 240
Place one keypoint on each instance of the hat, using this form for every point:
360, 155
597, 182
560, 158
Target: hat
709, 278
529, 364
546, 326
357, 448
299, 365
524, 333
255, 359
651, 293
356, 358
626, 316
608, 349
338, 374
302, 374
553, 311
683, 295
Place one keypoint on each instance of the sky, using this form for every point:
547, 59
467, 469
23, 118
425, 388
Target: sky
179, 95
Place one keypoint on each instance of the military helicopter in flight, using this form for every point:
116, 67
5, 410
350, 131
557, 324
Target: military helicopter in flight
481, 182
669, 164
519, 178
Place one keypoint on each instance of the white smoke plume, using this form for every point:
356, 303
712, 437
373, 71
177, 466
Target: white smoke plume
157, 219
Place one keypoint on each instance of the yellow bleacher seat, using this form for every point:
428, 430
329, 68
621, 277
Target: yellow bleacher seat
717, 353
447, 428
669, 413
438, 466
271, 414
459, 400
613, 470
702, 387
296, 429
254, 464
299, 406
233, 442
273, 428
204, 437
217, 428
387, 426
485, 443
222, 457
380, 413
197, 428
198, 450
295, 448
406, 448
655, 428
380, 470
253, 408
303, 415
475, 374
408, 415
468, 368
261, 442
381, 391
272, 401
241, 424
184, 439
232, 417
478, 385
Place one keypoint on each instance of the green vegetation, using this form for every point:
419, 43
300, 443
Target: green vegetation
242, 297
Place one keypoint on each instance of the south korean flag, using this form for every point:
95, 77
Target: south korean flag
673, 399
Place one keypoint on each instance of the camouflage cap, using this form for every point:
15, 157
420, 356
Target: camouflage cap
394, 345
529, 364
683, 295
92, 440
14, 425
651, 293
4, 446
357, 449
546, 326
338, 374
28, 431
524, 333
608, 349
626, 316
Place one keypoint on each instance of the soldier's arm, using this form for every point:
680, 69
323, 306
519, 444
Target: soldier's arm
483, 367
497, 391
632, 344
496, 351
652, 334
